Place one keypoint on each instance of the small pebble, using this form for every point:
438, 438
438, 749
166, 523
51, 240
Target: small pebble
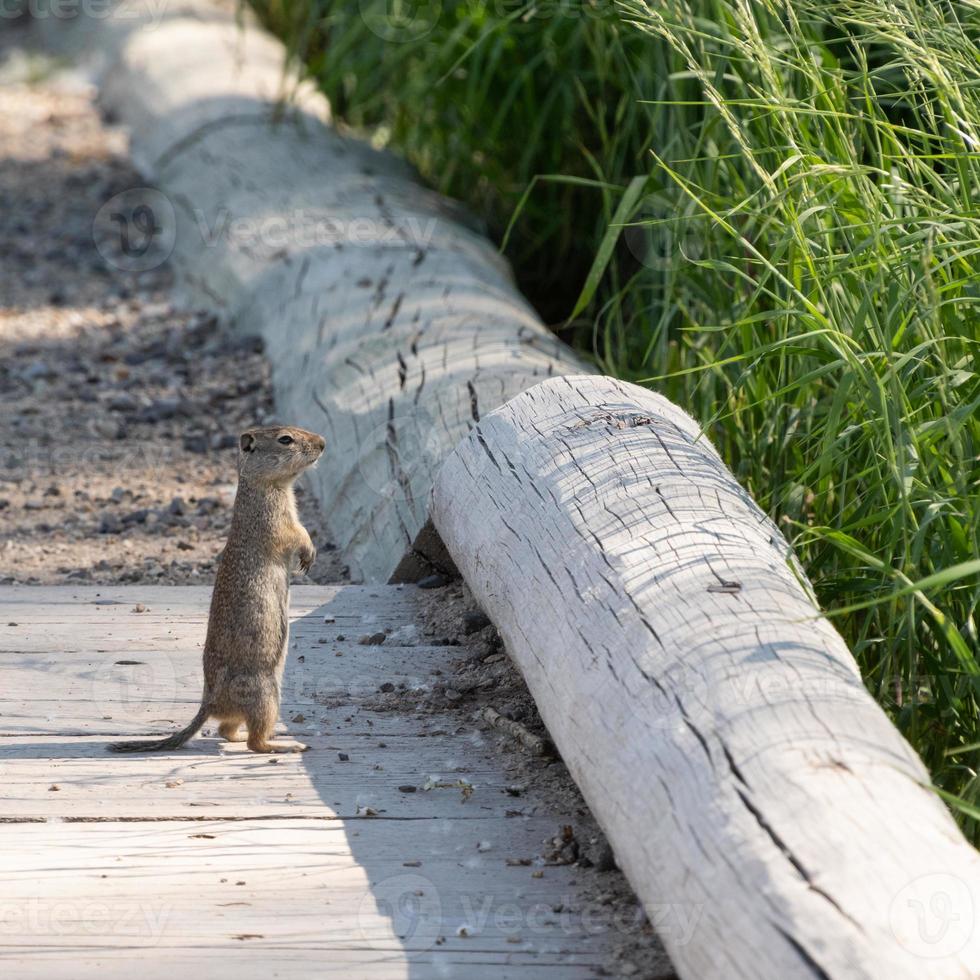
473, 622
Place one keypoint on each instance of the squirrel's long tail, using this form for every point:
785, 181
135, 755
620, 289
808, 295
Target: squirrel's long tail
174, 741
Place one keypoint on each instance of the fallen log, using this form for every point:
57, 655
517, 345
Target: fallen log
716, 724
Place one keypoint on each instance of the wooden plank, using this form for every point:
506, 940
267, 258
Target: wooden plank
129, 865
245, 898
81, 660
717, 725
52, 603
213, 778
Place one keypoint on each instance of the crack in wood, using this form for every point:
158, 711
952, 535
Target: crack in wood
788, 854
474, 403
812, 965
201, 132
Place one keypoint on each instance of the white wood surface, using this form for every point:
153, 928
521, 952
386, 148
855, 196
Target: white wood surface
718, 728
391, 324
122, 866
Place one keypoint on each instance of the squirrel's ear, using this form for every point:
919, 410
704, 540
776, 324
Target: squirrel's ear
247, 442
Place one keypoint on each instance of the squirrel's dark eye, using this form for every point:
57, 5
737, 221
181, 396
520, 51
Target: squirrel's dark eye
286, 440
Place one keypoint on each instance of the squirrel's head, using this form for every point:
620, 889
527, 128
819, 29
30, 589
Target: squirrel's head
277, 453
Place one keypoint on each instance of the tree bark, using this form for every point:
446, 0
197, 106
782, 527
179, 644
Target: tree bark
716, 723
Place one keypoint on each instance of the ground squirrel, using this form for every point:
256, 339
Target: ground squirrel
248, 625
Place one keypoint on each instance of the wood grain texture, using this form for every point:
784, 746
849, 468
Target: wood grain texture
716, 724
251, 899
391, 323
360, 858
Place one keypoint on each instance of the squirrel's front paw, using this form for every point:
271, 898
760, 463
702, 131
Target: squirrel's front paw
306, 558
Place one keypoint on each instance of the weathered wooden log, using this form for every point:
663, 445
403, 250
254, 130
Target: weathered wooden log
717, 725
390, 323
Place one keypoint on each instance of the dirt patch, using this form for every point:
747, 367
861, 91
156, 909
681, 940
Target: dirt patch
486, 692
119, 410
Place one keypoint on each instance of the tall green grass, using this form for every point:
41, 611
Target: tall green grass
769, 212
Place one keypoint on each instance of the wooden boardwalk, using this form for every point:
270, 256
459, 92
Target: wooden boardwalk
220, 863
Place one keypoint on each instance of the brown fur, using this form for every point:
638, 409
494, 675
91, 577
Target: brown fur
245, 648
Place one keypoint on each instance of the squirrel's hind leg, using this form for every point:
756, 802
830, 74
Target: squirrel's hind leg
229, 730
260, 718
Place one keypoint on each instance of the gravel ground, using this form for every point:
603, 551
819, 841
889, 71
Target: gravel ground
486, 692
119, 412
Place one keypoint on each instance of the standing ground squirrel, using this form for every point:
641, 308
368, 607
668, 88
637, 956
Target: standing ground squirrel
248, 625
